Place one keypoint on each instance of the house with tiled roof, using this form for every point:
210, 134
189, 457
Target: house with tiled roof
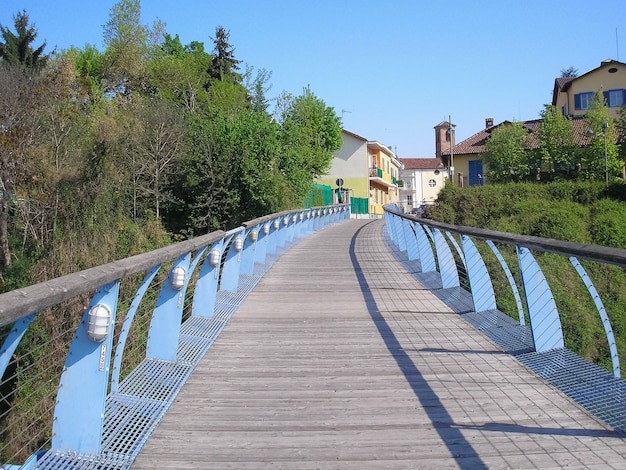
368, 172
422, 179
468, 163
572, 95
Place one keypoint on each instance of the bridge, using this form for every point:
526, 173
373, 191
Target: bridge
307, 339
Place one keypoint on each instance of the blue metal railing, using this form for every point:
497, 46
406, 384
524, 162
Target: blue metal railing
91, 361
458, 273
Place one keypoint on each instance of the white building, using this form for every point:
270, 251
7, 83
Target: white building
421, 180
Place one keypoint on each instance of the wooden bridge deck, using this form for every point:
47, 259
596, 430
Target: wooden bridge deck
340, 359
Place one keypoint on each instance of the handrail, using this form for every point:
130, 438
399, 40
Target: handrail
134, 338
604, 254
22, 301
461, 275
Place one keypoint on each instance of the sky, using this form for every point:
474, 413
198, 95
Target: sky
391, 70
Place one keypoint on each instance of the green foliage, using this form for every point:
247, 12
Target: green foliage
600, 156
16, 48
310, 134
505, 153
578, 212
608, 225
558, 149
223, 63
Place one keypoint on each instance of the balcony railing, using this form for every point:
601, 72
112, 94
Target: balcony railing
376, 173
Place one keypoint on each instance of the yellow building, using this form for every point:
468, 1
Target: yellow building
368, 172
383, 177
572, 95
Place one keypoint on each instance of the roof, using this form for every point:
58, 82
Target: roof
354, 135
562, 84
476, 143
421, 163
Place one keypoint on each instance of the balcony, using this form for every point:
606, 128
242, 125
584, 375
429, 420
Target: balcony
376, 174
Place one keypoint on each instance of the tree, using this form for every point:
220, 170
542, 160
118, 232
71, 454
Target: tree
126, 42
16, 131
258, 88
505, 153
569, 72
600, 157
158, 141
223, 62
310, 134
179, 73
17, 49
557, 147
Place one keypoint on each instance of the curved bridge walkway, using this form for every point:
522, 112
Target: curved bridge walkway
341, 359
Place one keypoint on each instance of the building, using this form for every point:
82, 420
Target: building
422, 179
368, 172
469, 167
384, 172
572, 95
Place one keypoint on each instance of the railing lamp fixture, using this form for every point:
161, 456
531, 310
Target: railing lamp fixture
178, 277
99, 322
238, 244
214, 257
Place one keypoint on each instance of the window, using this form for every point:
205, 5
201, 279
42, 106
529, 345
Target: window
614, 98
409, 199
583, 100
432, 183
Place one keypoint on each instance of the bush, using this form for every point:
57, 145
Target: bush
608, 223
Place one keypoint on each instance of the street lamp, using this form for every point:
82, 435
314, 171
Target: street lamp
605, 126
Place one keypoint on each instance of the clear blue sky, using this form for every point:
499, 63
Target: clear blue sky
397, 68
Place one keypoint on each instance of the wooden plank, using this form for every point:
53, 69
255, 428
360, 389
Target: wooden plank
327, 366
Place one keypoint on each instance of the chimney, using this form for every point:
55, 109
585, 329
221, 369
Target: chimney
488, 123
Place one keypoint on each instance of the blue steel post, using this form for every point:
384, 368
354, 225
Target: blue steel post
167, 316
317, 222
480, 282
394, 230
272, 239
447, 265
606, 322
281, 233
232, 264
511, 279
248, 254
457, 248
13, 340
205, 293
410, 239
128, 320
426, 255
79, 410
300, 225
545, 323
261, 242
291, 226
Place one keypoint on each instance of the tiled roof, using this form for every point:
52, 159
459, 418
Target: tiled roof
476, 143
421, 163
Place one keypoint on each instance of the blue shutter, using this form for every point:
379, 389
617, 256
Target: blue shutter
577, 104
607, 98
